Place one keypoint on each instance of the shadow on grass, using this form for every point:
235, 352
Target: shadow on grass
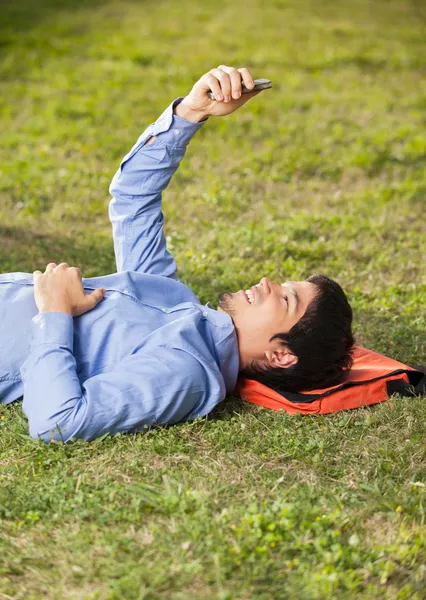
23, 15
32, 32
18, 16
231, 406
24, 250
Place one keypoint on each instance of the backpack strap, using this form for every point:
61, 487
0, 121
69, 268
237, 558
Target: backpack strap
416, 385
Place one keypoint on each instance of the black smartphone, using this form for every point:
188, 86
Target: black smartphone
259, 84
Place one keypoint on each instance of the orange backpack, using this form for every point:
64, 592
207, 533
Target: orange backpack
371, 379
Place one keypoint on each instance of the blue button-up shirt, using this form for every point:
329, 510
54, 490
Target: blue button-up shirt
149, 352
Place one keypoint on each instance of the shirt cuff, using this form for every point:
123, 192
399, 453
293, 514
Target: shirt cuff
52, 328
174, 130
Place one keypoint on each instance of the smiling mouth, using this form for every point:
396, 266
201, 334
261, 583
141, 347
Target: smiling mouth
251, 293
248, 298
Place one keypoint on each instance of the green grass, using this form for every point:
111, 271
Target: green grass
324, 173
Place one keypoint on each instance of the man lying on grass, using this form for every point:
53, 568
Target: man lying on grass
132, 349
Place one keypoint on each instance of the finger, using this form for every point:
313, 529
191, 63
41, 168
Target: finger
247, 77
95, 297
235, 77
50, 267
76, 270
36, 274
63, 265
225, 83
213, 84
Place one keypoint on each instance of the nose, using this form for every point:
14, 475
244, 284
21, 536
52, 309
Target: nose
265, 283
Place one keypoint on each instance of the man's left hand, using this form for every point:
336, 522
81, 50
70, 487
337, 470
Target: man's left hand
60, 289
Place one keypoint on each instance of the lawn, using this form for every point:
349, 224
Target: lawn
324, 173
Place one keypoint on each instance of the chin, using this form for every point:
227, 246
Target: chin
225, 303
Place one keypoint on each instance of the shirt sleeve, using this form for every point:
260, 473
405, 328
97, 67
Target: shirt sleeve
135, 210
143, 390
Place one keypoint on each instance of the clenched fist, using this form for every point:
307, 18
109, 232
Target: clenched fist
225, 83
59, 289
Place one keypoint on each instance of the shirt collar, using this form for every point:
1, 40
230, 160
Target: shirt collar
226, 344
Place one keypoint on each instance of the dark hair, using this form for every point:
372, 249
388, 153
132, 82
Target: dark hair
321, 339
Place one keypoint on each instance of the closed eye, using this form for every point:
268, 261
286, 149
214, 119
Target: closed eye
286, 298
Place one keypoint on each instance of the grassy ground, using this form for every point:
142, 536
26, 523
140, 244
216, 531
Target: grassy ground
324, 173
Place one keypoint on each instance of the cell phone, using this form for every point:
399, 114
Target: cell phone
259, 84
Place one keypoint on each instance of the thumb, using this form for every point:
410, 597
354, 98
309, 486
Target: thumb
95, 297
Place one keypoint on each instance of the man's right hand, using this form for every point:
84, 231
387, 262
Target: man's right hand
225, 83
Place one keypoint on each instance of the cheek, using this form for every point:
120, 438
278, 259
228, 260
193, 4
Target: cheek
265, 320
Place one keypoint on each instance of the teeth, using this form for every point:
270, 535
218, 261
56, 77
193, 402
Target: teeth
249, 295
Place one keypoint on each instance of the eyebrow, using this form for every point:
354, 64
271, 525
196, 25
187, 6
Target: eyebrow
296, 297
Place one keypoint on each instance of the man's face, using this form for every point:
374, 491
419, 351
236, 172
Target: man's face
264, 310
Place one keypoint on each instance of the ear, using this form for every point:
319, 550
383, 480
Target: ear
281, 358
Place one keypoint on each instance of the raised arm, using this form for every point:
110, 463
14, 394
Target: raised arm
135, 210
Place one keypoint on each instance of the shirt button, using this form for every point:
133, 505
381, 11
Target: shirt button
177, 131
205, 313
126, 291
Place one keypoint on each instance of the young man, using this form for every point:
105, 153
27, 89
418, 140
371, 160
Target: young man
128, 350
